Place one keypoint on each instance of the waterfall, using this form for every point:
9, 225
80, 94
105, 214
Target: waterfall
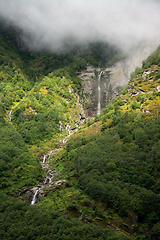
48, 180
35, 197
9, 115
44, 159
99, 93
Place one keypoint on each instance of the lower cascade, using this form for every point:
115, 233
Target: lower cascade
50, 174
34, 200
99, 93
47, 180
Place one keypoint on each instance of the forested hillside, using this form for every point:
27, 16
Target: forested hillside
119, 166
109, 165
115, 160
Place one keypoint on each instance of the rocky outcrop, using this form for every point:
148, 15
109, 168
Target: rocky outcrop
41, 190
113, 79
47, 185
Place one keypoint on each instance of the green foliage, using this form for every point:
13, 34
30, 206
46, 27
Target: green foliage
15, 75
153, 59
135, 105
20, 221
156, 231
136, 72
18, 166
37, 117
70, 74
124, 91
20, 69
120, 167
119, 102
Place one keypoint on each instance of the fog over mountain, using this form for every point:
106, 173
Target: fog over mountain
51, 23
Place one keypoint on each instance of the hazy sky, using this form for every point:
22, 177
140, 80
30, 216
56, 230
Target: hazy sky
50, 22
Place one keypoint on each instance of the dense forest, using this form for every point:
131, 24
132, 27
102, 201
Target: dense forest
110, 163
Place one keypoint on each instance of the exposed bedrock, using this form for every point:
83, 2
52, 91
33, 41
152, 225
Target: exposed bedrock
113, 79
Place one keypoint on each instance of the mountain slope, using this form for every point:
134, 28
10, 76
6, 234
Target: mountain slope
41, 111
110, 165
120, 166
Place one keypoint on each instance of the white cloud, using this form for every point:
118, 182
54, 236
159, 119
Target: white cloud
49, 23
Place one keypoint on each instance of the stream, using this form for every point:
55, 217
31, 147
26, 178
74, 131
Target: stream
48, 180
50, 174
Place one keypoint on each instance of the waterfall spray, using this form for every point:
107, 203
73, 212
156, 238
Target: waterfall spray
99, 93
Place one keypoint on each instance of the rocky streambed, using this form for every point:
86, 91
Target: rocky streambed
48, 184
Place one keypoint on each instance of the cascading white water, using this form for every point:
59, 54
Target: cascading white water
99, 93
9, 115
48, 180
44, 159
35, 197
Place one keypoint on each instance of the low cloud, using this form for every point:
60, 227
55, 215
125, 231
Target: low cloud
51, 23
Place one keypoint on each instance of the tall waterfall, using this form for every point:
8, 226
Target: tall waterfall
99, 93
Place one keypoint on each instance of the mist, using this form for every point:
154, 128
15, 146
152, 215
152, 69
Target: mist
51, 24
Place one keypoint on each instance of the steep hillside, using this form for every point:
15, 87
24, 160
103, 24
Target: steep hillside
115, 160
15, 76
19, 167
51, 102
115, 76
21, 68
91, 178
38, 113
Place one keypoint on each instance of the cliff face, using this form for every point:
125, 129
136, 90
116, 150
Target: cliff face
113, 79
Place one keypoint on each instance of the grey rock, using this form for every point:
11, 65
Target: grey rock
113, 79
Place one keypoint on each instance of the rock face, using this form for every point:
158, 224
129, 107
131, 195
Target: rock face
89, 91
113, 79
